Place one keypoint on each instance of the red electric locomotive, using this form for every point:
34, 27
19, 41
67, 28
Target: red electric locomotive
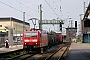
34, 40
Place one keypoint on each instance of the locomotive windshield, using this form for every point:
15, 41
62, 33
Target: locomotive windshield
30, 34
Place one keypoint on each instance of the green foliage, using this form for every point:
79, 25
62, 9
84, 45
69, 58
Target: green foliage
52, 32
15, 54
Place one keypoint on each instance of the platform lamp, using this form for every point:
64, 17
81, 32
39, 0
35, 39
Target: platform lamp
34, 22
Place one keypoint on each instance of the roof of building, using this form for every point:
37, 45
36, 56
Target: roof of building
13, 19
87, 12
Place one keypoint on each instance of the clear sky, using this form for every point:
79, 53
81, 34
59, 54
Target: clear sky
52, 9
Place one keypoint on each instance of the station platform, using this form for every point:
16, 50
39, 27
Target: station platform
11, 48
79, 51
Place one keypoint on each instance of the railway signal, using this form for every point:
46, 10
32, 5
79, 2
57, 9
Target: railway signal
60, 26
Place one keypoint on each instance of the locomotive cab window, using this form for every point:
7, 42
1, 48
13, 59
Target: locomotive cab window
31, 34
34, 34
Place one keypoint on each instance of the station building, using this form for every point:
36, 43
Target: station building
71, 33
17, 25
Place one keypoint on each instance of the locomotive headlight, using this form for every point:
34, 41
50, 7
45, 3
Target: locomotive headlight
34, 40
36, 43
26, 40
25, 43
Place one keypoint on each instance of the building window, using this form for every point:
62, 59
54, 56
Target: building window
0, 25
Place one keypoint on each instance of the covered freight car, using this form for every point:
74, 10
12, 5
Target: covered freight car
53, 39
60, 36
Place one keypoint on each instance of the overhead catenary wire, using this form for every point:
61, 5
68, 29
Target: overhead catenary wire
33, 4
10, 6
25, 5
51, 8
55, 3
29, 7
13, 8
78, 7
56, 6
29, 2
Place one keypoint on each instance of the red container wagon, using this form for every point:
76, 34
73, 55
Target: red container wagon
61, 37
34, 40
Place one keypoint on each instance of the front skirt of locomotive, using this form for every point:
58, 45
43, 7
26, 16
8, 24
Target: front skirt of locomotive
31, 46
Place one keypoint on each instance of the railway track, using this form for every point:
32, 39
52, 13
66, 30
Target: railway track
55, 53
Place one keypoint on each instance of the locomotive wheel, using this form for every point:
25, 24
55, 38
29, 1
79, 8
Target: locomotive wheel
42, 50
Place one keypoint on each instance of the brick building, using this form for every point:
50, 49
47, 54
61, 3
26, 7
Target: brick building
71, 33
85, 26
